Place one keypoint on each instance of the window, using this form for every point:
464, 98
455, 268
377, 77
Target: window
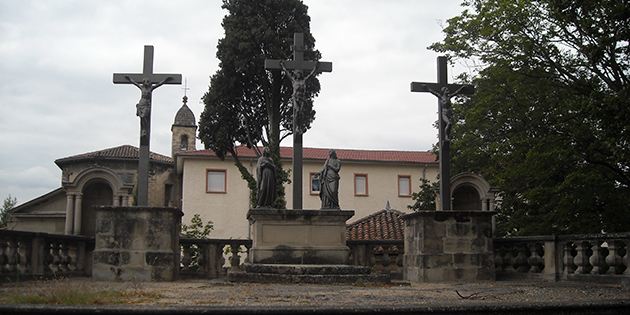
314, 184
183, 143
404, 186
216, 181
168, 194
360, 185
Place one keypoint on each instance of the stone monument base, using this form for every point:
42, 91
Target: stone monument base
317, 274
448, 246
298, 237
136, 244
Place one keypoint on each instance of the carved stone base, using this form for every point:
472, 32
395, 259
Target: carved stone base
299, 236
448, 246
136, 244
318, 274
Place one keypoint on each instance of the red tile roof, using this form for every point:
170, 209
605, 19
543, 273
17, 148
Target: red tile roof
382, 225
120, 152
343, 154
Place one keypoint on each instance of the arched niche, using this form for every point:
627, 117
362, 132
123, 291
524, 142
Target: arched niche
471, 192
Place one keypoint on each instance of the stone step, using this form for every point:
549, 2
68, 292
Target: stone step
318, 274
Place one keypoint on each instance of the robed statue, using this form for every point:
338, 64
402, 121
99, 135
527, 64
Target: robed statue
329, 181
266, 174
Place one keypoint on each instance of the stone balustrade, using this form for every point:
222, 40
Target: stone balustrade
28, 255
383, 256
600, 257
211, 258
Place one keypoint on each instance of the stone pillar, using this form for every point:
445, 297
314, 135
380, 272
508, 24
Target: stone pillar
136, 244
116, 201
125, 200
69, 213
77, 213
448, 246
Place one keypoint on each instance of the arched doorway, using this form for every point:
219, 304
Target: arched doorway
95, 193
466, 197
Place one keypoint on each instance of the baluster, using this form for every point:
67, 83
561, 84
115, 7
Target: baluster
508, 258
372, 252
581, 259
498, 258
23, 252
247, 248
534, 259
73, 256
186, 259
520, 262
385, 260
53, 257
64, 257
3, 256
12, 256
569, 265
626, 258
235, 260
202, 259
614, 260
597, 259
401, 254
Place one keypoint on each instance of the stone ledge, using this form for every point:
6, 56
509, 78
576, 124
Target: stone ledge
236, 276
306, 269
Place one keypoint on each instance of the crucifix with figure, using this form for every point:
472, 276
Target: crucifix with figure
444, 92
295, 70
147, 81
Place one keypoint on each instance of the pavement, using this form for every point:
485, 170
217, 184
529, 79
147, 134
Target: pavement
221, 297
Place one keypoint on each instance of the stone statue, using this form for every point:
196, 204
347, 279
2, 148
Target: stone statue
329, 181
447, 108
298, 81
266, 173
143, 108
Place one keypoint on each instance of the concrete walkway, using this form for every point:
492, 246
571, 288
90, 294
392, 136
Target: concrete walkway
219, 297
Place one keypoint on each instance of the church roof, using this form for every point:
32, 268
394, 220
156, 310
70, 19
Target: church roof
342, 154
121, 152
185, 116
382, 225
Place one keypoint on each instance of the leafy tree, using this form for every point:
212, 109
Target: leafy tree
246, 104
425, 198
9, 203
196, 229
549, 122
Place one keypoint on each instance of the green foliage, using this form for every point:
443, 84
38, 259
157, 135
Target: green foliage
425, 198
548, 124
197, 229
245, 103
9, 203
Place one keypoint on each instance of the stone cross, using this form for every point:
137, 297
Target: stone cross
444, 92
147, 81
298, 64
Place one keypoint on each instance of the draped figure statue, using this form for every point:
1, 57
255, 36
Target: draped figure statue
329, 182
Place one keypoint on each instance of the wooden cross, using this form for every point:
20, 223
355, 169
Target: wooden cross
153, 81
298, 63
444, 92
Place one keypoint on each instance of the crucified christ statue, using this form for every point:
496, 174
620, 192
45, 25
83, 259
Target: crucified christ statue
447, 108
299, 87
143, 108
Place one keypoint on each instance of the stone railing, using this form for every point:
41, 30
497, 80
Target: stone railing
211, 258
600, 257
384, 256
28, 255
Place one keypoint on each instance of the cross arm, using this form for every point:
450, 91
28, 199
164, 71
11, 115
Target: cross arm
424, 87
120, 78
322, 66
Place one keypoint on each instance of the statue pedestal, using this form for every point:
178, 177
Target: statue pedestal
448, 246
136, 244
299, 237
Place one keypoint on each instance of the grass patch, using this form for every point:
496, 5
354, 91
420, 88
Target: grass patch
65, 292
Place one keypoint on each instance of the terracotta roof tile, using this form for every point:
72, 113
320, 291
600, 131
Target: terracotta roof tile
382, 225
120, 152
343, 154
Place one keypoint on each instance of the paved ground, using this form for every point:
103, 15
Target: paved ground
225, 294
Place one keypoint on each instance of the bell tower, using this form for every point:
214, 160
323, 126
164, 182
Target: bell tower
184, 130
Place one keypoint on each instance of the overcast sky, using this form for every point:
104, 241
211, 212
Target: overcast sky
57, 58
